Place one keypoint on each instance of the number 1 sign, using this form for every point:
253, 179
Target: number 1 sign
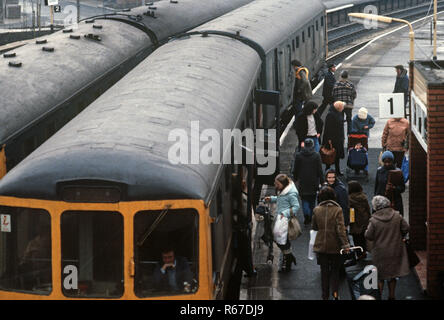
391, 105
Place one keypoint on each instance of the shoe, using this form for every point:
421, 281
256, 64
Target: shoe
306, 220
284, 267
335, 296
289, 260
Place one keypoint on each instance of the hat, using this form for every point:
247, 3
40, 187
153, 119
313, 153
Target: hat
380, 202
362, 113
344, 74
387, 155
331, 65
400, 67
308, 143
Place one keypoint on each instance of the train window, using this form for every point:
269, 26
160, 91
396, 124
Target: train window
322, 21
293, 45
166, 244
309, 34
303, 36
317, 25
297, 42
92, 254
25, 250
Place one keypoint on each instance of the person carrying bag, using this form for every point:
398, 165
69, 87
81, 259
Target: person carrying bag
287, 202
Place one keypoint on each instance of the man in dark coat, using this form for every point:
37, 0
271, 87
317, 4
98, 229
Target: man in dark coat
341, 193
329, 82
307, 170
172, 273
334, 132
402, 82
383, 188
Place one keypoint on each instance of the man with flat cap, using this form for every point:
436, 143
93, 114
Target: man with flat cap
402, 82
329, 82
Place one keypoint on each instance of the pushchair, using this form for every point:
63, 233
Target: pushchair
264, 211
357, 159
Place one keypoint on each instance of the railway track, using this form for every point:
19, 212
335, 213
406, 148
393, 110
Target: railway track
346, 39
343, 35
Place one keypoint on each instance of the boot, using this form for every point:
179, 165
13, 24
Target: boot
284, 264
289, 260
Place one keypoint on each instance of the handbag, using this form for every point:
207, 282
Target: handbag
294, 228
328, 155
411, 254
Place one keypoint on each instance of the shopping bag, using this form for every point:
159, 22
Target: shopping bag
328, 154
405, 168
280, 229
294, 228
311, 254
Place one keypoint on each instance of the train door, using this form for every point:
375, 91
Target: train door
267, 136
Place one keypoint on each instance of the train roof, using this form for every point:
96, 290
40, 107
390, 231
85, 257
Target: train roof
123, 136
50, 78
257, 21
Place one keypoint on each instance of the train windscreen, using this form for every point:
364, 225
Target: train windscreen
92, 254
25, 250
166, 252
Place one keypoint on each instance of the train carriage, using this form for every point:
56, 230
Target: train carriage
48, 81
103, 193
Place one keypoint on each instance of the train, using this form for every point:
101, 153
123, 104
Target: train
87, 214
48, 81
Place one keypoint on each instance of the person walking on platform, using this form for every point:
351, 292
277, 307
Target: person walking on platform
307, 170
363, 122
340, 192
327, 90
287, 204
302, 91
309, 125
402, 82
345, 91
328, 221
359, 214
395, 138
385, 188
334, 133
387, 230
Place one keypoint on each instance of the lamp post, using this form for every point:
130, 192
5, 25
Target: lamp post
390, 20
435, 10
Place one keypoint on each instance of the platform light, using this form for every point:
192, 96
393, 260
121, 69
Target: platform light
385, 19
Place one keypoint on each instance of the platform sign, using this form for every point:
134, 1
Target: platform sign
57, 8
5, 222
391, 105
53, 2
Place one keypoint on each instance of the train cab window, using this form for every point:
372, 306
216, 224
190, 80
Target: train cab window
166, 255
92, 254
25, 250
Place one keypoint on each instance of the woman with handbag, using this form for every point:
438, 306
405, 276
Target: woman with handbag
334, 135
287, 205
328, 221
387, 230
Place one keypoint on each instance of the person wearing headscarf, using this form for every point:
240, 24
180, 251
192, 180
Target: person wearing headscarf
363, 122
387, 230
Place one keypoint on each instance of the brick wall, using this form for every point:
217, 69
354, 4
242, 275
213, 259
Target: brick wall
418, 194
435, 212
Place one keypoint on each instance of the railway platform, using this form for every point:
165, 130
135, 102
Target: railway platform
372, 71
